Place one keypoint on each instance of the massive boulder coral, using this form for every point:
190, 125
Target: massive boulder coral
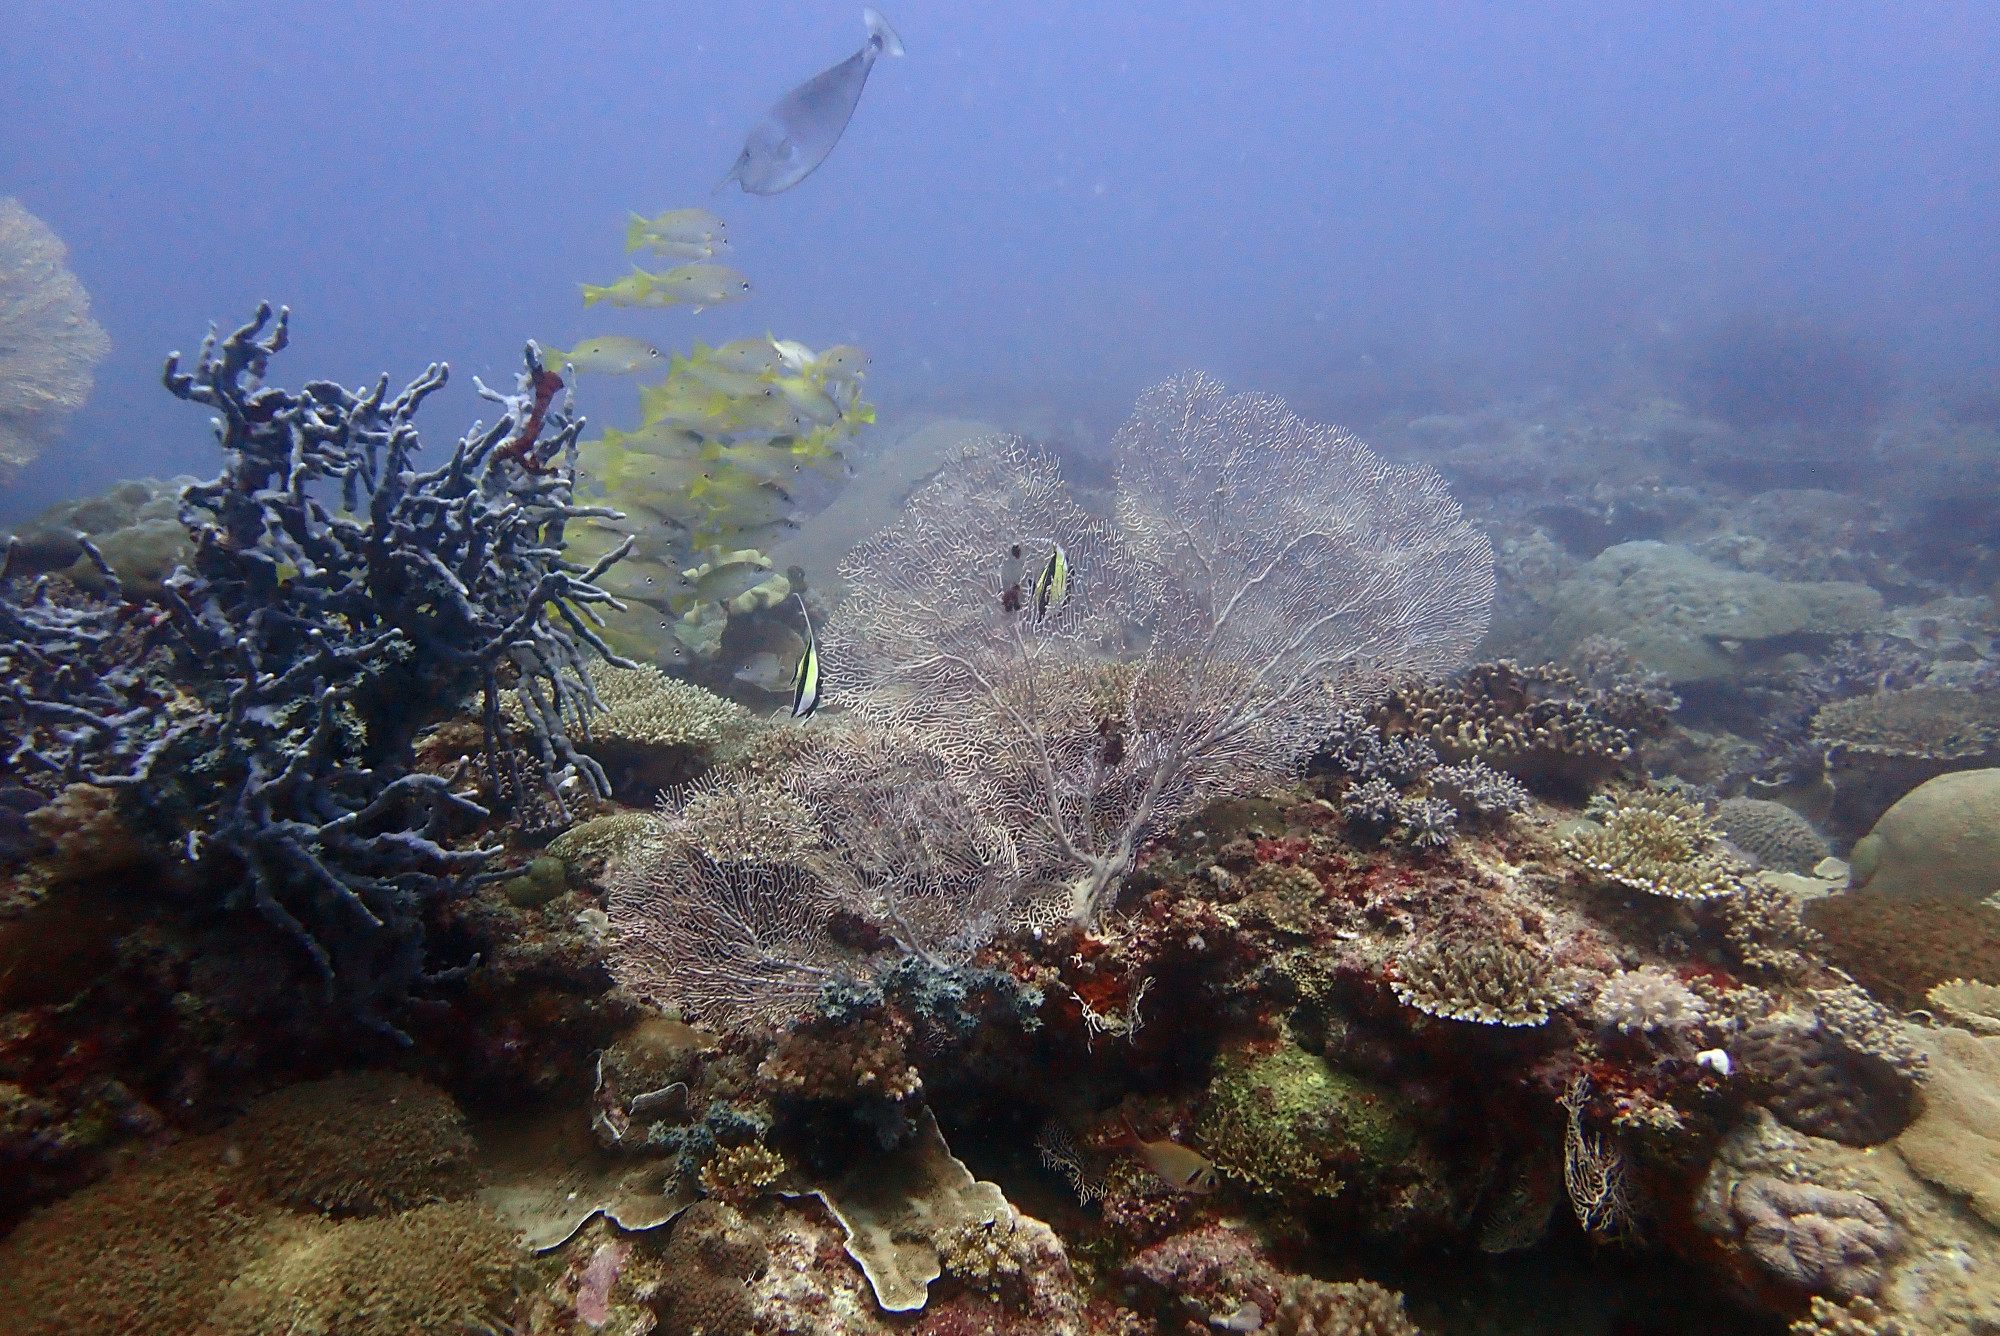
1941, 839
49, 345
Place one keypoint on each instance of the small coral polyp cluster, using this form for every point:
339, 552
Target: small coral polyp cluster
1204, 898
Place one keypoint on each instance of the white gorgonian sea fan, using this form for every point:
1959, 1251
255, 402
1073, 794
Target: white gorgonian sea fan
1261, 572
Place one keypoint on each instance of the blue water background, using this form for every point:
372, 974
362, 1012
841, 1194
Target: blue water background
1043, 204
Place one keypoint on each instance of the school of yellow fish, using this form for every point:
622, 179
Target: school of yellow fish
707, 478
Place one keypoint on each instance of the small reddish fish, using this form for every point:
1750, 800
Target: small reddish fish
1183, 1169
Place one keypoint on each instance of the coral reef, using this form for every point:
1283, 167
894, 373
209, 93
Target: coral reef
1489, 983
1541, 724
1285, 1122
1821, 1239
1772, 833
1967, 1004
368, 1144
712, 1255
1657, 842
157, 1244
442, 1268
1901, 945
1644, 1000
1355, 1308
49, 345
1941, 839
1821, 1085
1955, 1141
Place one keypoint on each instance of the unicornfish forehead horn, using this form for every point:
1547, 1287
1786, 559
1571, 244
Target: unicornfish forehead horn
796, 135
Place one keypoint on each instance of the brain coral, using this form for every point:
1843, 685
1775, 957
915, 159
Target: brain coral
1492, 983
49, 345
1775, 834
1820, 1086
1822, 1239
364, 1144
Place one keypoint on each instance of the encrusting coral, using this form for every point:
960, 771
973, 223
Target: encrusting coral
1286, 1122
49, 345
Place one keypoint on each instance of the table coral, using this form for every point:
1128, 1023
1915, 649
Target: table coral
1488, 983
1657, 842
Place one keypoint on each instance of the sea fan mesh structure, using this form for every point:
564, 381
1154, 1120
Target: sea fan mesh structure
49, 345
1013, 745
1262, 572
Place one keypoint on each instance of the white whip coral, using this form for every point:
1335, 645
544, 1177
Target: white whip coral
1262, 572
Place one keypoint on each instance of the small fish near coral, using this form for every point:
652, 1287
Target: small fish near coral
605, 355
1182, 1168
678, 234
796, 135
805, 682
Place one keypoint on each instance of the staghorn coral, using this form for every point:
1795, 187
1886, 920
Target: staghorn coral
1657, 842
1773, 833
1853, 1019
1257, 610
434, 1271
1644, 1000
1397, 784
1352, 1308
1539, 724
1489, 983
367, 1144
49, 345
1826, 1240
1766, 929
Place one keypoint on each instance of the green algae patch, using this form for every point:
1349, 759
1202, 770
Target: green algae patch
1288, 1123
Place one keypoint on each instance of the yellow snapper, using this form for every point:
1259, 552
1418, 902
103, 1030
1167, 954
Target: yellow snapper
605, 355
842, 360
646, 581
635, 289
664, 439
749, 356
735, 384
808, 400
1182, 1168
702, 285
719, 584
688, 227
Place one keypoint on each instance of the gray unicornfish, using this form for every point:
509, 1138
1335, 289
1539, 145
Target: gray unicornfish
798, 133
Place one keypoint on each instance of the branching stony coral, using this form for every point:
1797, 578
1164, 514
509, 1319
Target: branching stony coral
49, 345
1644, 1000
1261, 569
1491, 983
1656, 842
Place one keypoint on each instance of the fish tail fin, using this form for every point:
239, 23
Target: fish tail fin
880, 32
592, 295
635, 232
